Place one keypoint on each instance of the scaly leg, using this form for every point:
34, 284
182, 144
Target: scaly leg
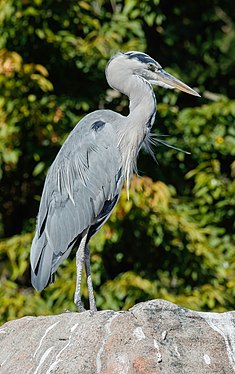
89, 280
80, 256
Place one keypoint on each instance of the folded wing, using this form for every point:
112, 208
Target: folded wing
81, 188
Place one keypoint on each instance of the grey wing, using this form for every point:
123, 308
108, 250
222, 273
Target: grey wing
80, 191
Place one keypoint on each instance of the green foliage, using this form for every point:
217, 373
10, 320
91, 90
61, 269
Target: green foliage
174, 238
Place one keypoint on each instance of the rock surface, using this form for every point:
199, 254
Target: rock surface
152, 337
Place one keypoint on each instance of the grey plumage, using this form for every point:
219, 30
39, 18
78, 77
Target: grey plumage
85, 180
74, 194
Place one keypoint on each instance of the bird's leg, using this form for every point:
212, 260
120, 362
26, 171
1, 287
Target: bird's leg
80, 255
89, 280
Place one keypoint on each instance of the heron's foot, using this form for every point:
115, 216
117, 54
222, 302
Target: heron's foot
78, 302
93, 308
92, 302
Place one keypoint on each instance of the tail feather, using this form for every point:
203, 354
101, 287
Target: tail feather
41, 263
37, 247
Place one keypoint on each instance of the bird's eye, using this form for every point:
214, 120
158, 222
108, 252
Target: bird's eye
151, 67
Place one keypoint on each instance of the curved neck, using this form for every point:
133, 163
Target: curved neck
134, 128
142, 99
142, 102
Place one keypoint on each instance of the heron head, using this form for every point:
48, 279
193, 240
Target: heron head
140, 64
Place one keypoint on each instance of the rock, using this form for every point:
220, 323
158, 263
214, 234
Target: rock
152, 337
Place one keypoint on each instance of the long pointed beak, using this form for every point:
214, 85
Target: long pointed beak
169, 80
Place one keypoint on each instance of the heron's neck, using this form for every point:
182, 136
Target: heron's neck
142, 99
142, 104
136, 126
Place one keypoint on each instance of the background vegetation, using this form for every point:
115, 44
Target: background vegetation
174, 238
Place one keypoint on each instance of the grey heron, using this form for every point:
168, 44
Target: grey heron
85, 180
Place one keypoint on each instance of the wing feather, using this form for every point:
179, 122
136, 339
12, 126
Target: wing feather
80, 181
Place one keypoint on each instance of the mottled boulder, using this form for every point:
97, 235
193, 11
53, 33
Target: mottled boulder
152, 337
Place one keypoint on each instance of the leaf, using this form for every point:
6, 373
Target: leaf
39, 168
